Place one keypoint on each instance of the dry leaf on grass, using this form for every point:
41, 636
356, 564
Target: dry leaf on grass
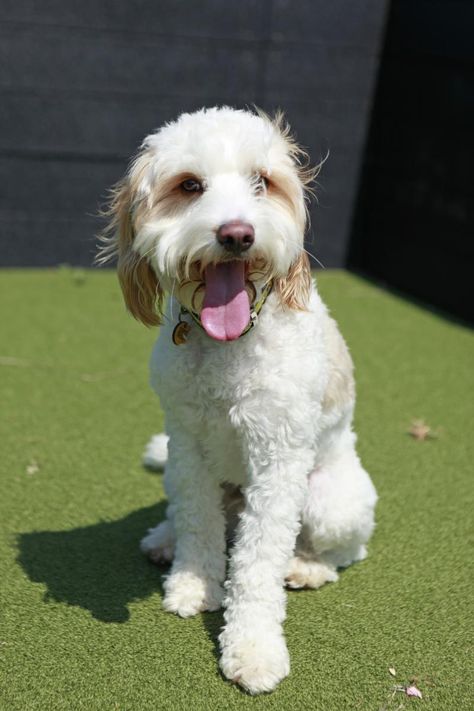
420, 430
391, 670
32, 467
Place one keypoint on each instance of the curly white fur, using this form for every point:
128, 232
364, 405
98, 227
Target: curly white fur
269, 412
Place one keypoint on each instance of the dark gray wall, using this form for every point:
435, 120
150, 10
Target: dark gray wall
82, 82
414, 224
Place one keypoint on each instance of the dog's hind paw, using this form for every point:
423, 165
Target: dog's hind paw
186, 594
159, 543
303, 573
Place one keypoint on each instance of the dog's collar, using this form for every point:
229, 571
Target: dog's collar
182, 328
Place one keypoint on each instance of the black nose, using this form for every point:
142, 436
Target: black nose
236, 236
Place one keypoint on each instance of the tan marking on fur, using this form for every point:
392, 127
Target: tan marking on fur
168, 198
288, 191
340, 390
142, 293
294, 289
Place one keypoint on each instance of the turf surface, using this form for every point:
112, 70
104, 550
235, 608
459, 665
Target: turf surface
81, 625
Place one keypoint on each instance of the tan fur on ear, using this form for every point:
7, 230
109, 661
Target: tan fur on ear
294, 289
141, 290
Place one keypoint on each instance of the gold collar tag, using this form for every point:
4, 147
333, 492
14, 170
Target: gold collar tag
181, 333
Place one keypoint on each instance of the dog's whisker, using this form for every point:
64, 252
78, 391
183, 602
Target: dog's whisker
315, 258
302, 248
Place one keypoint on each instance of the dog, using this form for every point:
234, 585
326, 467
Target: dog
255, 380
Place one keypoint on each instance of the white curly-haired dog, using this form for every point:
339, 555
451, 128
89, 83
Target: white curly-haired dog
253, 375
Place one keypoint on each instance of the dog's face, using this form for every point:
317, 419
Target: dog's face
217, 192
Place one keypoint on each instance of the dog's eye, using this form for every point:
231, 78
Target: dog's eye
191, 185
261, 182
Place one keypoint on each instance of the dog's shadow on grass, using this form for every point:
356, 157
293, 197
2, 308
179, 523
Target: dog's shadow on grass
213, 623
99, 567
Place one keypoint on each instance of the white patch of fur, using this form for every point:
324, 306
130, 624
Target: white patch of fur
156, 452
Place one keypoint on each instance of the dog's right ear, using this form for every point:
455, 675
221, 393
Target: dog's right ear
141, 289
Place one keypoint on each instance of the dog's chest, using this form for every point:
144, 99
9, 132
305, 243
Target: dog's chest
206, 375
282, 360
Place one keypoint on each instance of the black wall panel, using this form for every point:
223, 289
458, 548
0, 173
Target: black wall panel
414, 226
81, 84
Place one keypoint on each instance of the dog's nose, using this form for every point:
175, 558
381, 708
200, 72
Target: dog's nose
236, 236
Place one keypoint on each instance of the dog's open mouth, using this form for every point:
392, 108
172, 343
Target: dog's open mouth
226, 307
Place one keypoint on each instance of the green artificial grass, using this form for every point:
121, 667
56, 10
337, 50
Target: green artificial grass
81, 626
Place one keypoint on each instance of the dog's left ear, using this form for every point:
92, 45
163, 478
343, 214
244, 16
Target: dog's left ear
295, 288
141, 289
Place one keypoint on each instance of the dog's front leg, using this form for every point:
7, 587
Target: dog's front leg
198, 571
253, 647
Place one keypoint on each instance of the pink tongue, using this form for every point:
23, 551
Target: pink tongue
226, 308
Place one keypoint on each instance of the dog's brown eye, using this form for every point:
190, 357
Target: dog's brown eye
191, 185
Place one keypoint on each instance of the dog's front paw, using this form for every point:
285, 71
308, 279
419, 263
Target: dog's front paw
186, 594
256, 660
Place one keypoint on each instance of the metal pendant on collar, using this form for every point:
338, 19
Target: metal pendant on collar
181, 331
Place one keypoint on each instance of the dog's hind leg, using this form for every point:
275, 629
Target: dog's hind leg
337, 519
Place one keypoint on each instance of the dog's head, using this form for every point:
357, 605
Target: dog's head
218, 192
